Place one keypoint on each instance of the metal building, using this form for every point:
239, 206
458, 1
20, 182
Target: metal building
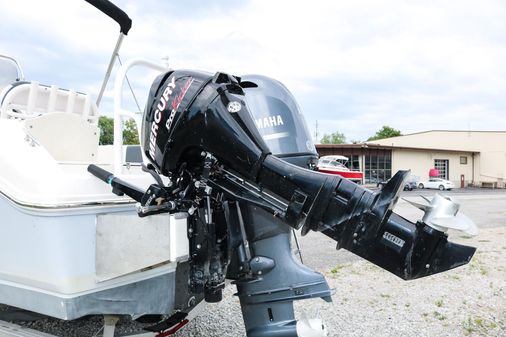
467, 158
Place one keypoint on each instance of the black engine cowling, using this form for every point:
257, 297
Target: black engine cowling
189, 112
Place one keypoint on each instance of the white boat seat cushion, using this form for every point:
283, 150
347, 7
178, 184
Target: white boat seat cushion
66, 136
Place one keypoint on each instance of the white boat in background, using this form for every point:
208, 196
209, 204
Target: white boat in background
336, 164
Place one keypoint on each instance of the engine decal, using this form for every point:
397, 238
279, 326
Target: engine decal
162, 105
177, 102
268, 122
157, 116
234, 106
276, 135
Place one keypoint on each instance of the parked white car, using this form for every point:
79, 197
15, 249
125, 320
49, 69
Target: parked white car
437, 183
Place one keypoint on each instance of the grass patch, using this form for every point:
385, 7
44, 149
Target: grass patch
335, 270
477, 264
439, 315
439, 303
477, 324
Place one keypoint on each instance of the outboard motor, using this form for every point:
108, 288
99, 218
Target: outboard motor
238, 156
192, 112
283, 128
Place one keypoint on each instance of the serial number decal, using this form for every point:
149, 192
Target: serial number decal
394, 239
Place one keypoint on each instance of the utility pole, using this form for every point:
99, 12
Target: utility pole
316, 132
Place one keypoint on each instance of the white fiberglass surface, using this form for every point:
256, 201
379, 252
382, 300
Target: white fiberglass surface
29, 175
57, 253
53, 253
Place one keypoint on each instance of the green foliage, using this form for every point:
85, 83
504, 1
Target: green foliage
334, 138
479, 325
385, 132
439, 315
338, 268
106, 125
130, 135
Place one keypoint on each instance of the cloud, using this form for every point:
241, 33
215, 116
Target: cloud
353, 66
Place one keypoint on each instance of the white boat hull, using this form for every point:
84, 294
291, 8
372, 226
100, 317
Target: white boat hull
59, 263
69, 247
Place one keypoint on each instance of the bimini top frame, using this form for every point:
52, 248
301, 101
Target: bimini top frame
125, 24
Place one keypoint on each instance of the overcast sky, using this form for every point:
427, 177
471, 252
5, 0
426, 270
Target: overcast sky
353, 66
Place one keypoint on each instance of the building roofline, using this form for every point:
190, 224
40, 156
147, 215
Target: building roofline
430, 131
442, 130
385, 147
346, 145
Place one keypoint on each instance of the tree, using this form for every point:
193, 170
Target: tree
106, 125
334, 138
385, 132
130, 134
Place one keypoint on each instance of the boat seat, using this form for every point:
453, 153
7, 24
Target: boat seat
25, 100
62, 121
66, 136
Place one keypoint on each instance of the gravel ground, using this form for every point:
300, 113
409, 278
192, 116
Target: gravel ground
369, 302
467, 301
